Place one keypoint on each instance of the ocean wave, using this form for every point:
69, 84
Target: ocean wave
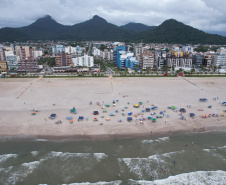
14, 174
5, 157
147, 141
34, 153
43, 140
146, 166
97, 156
214, 153
193, 178
162, 139
117, 182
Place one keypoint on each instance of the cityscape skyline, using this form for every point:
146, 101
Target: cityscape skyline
201, 14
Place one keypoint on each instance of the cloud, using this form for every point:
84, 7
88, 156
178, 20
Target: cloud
201, 14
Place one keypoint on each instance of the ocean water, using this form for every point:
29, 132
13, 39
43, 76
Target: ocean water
194, 158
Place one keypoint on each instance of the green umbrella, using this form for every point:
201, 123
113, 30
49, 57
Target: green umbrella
173, 107
154, 119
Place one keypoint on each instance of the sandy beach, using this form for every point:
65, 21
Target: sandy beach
51, 95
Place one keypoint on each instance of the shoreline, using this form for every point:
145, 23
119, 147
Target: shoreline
107, 137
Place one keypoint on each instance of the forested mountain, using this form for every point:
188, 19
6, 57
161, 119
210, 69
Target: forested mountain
97, 28
137, 27
172, 31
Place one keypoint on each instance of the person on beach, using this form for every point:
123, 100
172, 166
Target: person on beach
174, 162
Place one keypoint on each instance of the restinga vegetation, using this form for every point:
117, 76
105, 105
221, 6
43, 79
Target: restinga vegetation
97, 28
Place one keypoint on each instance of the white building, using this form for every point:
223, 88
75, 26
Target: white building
8, 53
96, 52
37, 53
83, 61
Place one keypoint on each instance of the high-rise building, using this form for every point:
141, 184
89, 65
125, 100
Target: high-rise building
12, 62
63, 59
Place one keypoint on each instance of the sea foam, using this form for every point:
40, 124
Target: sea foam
193, 178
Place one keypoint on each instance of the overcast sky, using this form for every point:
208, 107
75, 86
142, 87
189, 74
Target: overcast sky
201, 14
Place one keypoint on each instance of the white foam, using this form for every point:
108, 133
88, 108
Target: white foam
147, 141
117, 182
215, 154
5, 157
222, 147
100, 156
162, 139
97, 156
199, 177
34, 153
43, 140
144, 166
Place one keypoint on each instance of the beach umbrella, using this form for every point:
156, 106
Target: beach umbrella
149, 117
107, 119
120, 120
154, 119
210, 106
123, 113
103, 107
204, 116
116, 110
123, 109
126, 106
167, 115
87, 119
161, 112
136, 115
182, 117
222, 114
213, 115
173, 107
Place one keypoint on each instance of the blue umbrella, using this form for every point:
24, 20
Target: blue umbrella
161, 112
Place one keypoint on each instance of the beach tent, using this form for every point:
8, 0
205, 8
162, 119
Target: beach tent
107, 119
52, 116
173, 107
95, 112
150, 118
203, 99
154, 119
147, 109
73, 111
69, 118
129, 118
130, 113
153, 108
33, 113
140, 103
210, 106
182, 110
80, 117
136, 106
192, 114
107, 105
